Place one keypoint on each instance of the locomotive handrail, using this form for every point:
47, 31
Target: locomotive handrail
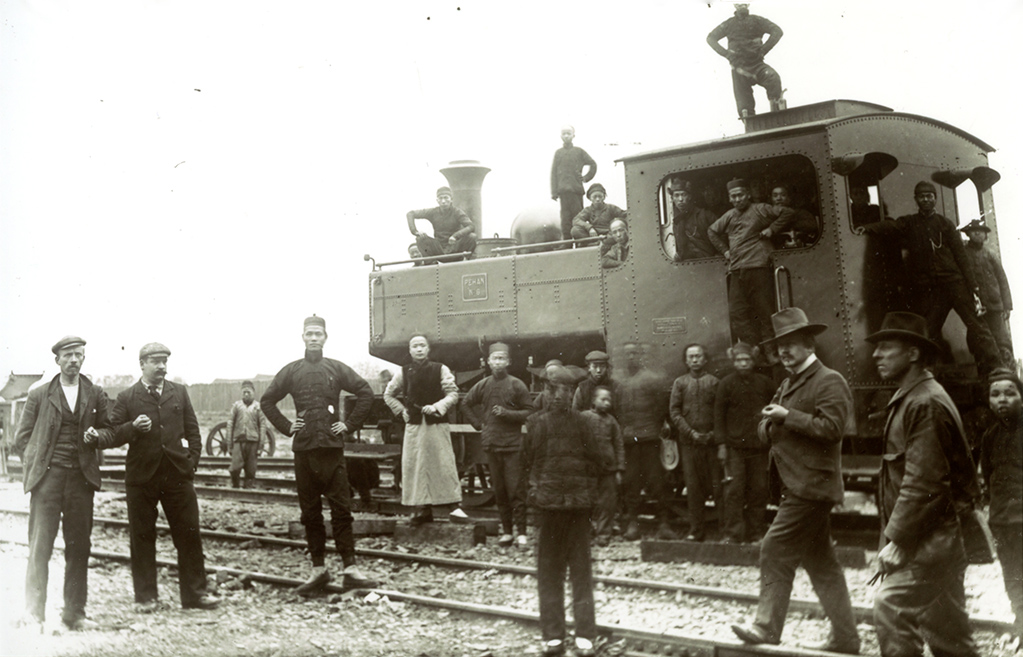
429, 260
777, 285
585, 241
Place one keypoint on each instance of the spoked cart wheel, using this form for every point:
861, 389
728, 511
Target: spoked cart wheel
216, 442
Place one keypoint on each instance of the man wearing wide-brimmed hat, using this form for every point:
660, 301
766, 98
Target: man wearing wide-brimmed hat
927, 473
993, 286
804, 425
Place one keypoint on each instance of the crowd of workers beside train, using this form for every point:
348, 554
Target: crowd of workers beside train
736, 434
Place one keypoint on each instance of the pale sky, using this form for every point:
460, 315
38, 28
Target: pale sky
207, 174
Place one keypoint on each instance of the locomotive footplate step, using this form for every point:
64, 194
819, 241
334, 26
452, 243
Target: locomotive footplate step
727, 554
442, 533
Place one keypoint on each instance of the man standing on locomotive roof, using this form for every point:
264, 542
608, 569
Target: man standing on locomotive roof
743, 235
315, 384
245, 428
453, 230
56, 441
804, 425
745, 52
927, 475
567, 179
156, 419
941, 276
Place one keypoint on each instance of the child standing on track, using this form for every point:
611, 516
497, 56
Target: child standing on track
498, 405
561, 462
608, 435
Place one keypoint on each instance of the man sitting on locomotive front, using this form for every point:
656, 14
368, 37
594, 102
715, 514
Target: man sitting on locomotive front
596, 219
453, 230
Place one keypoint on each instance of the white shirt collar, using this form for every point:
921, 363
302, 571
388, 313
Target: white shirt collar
810, 360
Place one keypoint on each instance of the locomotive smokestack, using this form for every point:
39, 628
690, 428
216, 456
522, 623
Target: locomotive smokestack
465, 177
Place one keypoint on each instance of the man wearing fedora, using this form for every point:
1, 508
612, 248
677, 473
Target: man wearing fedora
941, 278
743, 235
453, 230
993, 286
927, 473
156, 419
596, 219
804, 425
56, 441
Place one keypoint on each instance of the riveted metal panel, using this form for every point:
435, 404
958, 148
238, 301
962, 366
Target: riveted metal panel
558, 293
477, 299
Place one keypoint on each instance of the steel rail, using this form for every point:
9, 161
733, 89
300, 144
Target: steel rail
864, 614
662, 643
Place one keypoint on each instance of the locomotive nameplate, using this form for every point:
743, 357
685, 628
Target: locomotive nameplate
664, 325
474, 287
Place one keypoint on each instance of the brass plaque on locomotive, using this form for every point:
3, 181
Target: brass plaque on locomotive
664, 325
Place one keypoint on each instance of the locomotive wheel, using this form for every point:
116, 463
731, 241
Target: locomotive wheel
216, 440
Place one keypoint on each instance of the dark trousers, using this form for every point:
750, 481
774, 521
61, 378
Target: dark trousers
62, 494
321, 473
175, 492
934, 303
745, 494
702, 471
1009, 541
742, 86
643, 470
918, 604
244, 454
564, 542
751, 304
999, 328
505, 473
571, 205
607, 504
431, 246
801, 535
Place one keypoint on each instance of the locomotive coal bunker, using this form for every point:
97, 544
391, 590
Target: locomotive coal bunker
554, 300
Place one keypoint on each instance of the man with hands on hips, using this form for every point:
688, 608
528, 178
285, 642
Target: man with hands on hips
318, 434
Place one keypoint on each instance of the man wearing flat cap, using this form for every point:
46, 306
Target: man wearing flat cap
595, 220
318, 440
927, 475
689, 223
941, 276
804, 425
56, 441
498, 405
156, 419
453, 230
598, 365
743, 235
994, 286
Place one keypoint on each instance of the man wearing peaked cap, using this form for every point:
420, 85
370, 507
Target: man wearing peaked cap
804, 425
941, 278
57, 437
155, 417
498, 406
318, 437
926, 474
743, 235
993, 286
453, 230
596, 219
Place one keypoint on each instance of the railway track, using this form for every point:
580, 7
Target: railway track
864, 614
637, 642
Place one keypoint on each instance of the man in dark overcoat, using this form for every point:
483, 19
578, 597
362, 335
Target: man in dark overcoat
804, 424
927, 473
155, 418
56, 443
